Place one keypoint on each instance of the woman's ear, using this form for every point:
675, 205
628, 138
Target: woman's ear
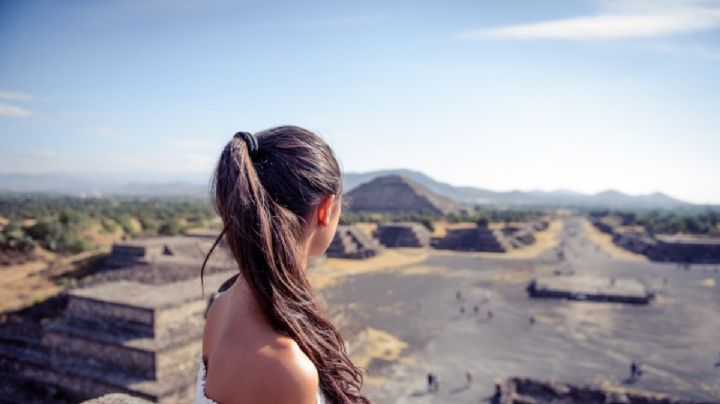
323, 209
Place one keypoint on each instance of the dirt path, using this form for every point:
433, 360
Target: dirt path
604, 241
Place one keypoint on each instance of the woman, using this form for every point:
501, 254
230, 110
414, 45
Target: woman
266, 340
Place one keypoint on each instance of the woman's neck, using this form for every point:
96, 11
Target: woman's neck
245, 304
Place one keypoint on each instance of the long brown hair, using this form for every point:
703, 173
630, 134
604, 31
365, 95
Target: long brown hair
264, 201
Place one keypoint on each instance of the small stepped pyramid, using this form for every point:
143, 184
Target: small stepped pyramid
128, 337
143, 251
479, 238
521, 236
351, 242
403, 234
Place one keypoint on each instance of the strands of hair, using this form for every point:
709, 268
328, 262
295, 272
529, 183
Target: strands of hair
263, 201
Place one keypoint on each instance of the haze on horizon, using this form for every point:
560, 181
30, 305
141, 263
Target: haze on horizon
587, 96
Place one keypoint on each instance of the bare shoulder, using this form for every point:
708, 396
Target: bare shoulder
277, 371
212, 315
294, 376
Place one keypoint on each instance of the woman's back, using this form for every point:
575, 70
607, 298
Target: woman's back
245, 360
278, 195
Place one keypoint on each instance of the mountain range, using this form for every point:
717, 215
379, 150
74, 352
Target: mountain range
467, 195
463, 195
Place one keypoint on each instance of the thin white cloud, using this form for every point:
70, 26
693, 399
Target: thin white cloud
13, 111
631, 19
15, 96
696, 50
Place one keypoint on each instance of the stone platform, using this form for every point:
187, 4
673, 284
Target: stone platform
351, 242
590, 288
525, 390
403, 234
128, 337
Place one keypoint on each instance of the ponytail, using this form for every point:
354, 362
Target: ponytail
263, 201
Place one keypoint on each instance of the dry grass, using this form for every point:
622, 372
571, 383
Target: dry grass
24, 284
29, 283
333, 270
442, 227
98, 237
604, 241
372, 344
708, 283
502, 225
544, 240
368, 228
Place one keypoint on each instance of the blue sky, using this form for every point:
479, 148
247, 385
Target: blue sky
582, 95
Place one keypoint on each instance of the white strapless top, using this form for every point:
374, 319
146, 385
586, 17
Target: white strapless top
201, 398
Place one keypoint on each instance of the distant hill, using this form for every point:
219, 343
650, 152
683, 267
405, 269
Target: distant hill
395, 193
561, 198
88, 185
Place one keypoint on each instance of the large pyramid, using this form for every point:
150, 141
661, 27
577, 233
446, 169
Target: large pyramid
394, 193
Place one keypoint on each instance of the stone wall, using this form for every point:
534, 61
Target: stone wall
403, 234
529, 391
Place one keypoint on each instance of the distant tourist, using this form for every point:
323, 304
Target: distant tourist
498, 389
433, 382
635, 371
462, 309
458, 296
279, 197
476, 309
532, 320
468, 378
489, 313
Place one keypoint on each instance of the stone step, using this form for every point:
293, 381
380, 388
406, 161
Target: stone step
146, 357
82, 382
141, 309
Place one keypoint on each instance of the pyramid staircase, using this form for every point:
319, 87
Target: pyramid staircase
351, 242
139, 339
403, 234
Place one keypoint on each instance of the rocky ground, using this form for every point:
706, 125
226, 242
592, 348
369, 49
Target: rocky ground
676, 338
403, 318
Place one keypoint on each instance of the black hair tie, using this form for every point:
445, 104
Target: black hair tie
250, 140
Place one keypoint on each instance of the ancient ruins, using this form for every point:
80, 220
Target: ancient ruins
394, 193
663, 247
352, 242
590, 288
126, 336
526, 390
483, 238
403, 234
